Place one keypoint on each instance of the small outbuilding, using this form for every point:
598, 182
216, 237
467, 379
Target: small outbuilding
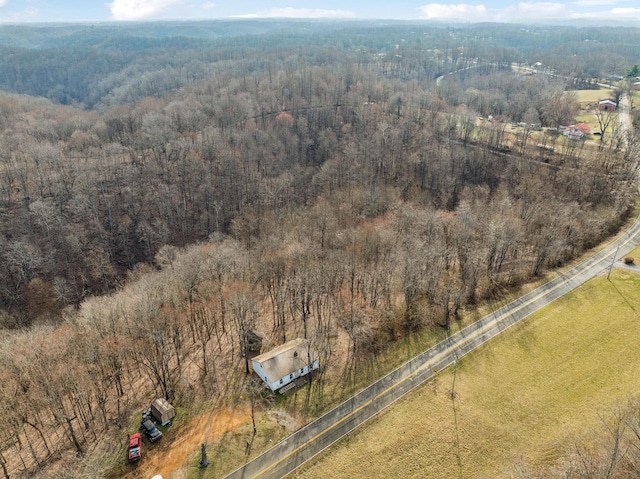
284, 364
162, 411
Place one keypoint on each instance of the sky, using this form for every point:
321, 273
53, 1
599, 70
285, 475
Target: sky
23, 11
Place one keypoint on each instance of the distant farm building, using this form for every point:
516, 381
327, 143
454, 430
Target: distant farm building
636, 85
573, 133
283, 365
583, 127
607, 104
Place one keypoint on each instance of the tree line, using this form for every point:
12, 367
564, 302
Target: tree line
97, 66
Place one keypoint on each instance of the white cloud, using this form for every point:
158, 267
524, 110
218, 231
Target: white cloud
595, 3
604, 3
3, 3
290, 12
209, 5
461, 11
29, 14
543, 10
139, 9
524, 11
613, 14
540, 10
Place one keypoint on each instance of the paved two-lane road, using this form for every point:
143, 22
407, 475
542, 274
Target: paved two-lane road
625, 116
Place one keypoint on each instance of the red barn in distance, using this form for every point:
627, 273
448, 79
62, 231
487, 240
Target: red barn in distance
607, 104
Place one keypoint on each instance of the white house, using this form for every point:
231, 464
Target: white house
573, 133
283, 365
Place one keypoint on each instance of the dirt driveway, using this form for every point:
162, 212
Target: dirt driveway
171, 459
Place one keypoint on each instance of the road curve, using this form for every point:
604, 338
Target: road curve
305, 443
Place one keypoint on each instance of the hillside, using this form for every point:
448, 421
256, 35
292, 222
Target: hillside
297, 180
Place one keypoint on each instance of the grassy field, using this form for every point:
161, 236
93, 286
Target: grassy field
528, 395
591, 96
588, 99
590, 119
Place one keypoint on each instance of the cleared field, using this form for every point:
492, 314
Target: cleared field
588, 99
529, 394
590, 119
592, 96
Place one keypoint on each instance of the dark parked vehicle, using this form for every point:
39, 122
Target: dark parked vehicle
146, 414
150, 430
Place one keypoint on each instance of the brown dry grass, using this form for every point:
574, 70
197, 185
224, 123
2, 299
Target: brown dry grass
171, 461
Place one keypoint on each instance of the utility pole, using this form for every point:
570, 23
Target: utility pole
455, 372
204, 462
613, 261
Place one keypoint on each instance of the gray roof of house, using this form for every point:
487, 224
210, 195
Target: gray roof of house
286, 358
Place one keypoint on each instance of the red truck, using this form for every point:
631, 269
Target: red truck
135, 447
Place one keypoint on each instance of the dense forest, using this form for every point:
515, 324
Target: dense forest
165, 189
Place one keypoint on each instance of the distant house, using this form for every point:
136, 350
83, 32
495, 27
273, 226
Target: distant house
607, 104
573, 133
636, 85
583, 127
281, 366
